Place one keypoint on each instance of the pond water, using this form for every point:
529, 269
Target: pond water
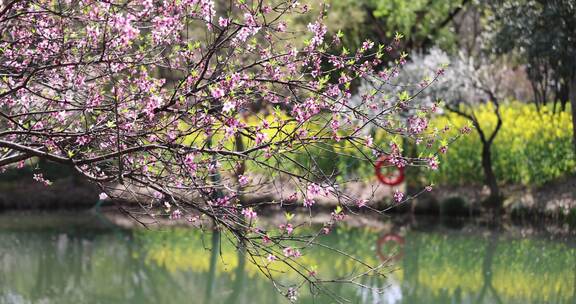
79, 258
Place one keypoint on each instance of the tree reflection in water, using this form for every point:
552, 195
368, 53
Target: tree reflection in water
439, 265
487, 287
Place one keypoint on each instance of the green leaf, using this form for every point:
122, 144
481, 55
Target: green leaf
403, 96
338, 209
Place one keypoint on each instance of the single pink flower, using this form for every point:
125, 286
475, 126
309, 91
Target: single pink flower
217, 92
249, 213
223, 22
308, 202
398, 196
176, 214
243, 180
271, 258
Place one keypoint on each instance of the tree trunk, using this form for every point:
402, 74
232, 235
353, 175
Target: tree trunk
494, 201
563, 95
572, 89
214, 254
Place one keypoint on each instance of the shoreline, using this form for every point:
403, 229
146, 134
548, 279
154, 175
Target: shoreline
111, 218
552, 201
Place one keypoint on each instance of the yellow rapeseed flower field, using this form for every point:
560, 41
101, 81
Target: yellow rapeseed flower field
532, 148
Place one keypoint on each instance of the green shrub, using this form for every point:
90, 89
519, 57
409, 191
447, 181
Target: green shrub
454, 206
428, 206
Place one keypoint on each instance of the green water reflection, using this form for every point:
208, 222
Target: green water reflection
79, 259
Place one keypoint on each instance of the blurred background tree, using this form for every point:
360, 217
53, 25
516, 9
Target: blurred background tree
542, 33
508, 54
424, 23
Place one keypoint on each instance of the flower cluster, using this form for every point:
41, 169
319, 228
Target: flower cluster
189, 103
39, 177
249, 214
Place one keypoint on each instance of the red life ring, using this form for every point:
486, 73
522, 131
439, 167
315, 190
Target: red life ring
393, 178
386, 239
